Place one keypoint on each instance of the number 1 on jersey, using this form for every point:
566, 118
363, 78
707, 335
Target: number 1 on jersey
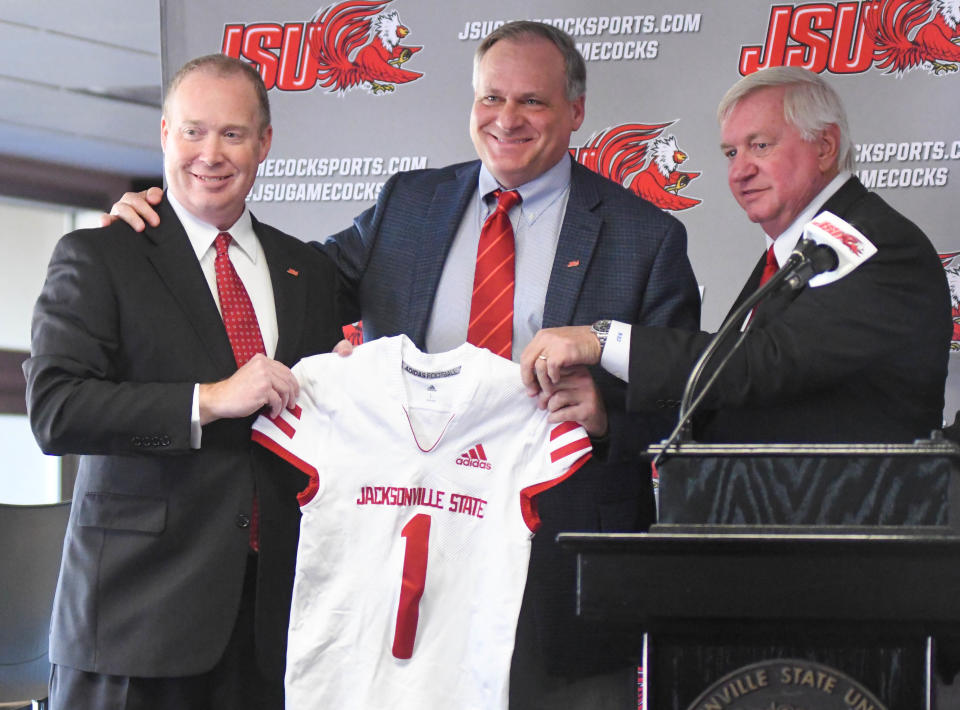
417, 532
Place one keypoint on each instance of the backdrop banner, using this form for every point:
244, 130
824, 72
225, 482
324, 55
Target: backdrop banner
656, 72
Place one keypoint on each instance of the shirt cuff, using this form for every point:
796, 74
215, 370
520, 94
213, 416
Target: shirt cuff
196, 431
616, 353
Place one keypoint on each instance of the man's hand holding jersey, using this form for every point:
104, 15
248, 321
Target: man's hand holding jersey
553, 369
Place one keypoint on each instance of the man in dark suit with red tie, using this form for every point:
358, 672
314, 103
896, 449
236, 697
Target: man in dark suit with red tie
585, 248
862, 359
151, 354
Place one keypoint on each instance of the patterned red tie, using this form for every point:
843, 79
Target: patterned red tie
491, 309
243, 330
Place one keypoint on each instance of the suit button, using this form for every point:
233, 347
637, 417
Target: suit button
165, 441
243, 520
136, 441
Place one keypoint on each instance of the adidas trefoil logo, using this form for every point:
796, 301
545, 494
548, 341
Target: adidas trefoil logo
474, 458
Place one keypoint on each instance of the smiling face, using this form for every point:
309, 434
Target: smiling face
212, 144
521, 119
772, 171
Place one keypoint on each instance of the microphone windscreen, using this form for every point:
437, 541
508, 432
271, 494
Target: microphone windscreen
850, 245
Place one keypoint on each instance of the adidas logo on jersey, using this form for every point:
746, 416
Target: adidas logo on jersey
474, 458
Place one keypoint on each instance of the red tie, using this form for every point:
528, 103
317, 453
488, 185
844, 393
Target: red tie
243, 330
770, 268
491, 309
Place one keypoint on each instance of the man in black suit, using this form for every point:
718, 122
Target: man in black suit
178, 561
862, 359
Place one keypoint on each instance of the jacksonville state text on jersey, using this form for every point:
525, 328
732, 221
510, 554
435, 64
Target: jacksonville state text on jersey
416, 524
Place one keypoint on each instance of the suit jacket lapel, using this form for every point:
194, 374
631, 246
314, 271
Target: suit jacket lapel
575, 245
447, 205
752, 284
289, 294
176, 262
838, 203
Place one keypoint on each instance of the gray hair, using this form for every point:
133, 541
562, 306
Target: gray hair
809, 104
223, 66
575, 68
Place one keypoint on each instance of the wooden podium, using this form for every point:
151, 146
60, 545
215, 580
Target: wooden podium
768, 558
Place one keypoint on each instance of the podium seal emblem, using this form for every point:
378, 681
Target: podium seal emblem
786, 684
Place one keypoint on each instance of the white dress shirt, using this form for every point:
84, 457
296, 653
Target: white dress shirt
536, 225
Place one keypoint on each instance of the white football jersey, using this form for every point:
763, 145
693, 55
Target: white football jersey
416, 526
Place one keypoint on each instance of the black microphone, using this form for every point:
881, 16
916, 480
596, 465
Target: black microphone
813, 259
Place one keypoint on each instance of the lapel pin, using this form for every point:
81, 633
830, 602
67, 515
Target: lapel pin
575, 262
293, 272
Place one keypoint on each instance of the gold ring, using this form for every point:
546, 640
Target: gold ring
541, 357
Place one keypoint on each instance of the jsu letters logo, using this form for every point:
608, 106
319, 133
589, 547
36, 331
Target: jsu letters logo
344, 46
852, 37
850, 241
621, 154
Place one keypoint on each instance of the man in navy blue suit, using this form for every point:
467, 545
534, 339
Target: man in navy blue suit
586, 249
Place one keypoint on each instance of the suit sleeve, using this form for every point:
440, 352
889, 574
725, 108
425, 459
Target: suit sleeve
351, 249
879, 316
671, 297
77, 399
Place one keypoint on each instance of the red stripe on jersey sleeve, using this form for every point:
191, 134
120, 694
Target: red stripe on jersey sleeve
307, 494
561, 429
283, 425
567, 449
528, 503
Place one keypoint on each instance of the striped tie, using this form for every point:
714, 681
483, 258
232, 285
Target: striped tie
491, 309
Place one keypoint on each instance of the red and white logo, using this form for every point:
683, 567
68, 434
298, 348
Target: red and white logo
850, 241
916, 33
951, 264
640, 158
852, 37
474, 458
344, 46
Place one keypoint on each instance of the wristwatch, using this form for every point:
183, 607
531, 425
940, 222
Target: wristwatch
601, 329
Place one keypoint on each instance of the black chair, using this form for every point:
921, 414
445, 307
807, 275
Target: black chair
31, 542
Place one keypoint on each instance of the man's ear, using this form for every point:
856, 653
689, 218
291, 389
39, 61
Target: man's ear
829, 147
266, 138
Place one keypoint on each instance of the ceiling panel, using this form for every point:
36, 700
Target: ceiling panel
80, 84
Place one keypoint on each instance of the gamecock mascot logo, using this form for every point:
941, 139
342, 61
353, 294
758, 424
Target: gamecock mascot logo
916, 33
951, 264
342, 29
643, 160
